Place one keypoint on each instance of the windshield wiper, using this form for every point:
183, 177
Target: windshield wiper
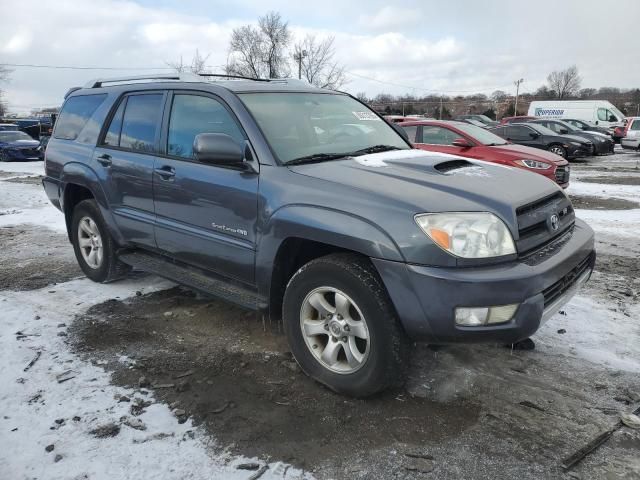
374, 149
316, 158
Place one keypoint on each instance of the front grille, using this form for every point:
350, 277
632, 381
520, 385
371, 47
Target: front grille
535, 228
562, 175
556, 290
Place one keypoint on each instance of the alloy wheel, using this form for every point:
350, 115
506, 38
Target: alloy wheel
90, 242
334, 330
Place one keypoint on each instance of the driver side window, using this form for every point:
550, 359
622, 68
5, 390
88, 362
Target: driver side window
602, 114
437, 135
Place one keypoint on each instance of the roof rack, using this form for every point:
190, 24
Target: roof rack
175, 77
183, 77
238, 77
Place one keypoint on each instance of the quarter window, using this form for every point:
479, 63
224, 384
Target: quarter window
195, 114
113, 134
75, 114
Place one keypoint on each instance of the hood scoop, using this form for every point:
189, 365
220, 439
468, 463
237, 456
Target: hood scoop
452, 165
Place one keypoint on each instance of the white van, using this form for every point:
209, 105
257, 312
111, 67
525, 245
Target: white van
596, 112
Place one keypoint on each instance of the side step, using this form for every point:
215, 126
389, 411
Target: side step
194, 278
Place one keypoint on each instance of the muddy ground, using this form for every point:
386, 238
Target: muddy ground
484, 412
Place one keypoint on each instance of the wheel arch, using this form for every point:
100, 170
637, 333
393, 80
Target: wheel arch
298, 234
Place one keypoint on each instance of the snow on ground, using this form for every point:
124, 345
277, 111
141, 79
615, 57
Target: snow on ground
32, 326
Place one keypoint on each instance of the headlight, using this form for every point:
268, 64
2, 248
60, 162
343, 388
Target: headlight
468, 235
577, 144
533, 164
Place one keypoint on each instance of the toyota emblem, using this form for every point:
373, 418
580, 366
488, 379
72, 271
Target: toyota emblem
554, 222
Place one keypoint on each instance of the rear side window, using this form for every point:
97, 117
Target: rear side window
113, 134
75, 114
195, 114
140, 122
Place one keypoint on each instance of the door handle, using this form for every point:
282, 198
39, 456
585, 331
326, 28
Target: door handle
166, 172
105, 160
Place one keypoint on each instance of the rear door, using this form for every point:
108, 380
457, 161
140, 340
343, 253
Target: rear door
125, 155
206, 213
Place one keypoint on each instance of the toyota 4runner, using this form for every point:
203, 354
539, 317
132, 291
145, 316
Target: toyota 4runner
305, 204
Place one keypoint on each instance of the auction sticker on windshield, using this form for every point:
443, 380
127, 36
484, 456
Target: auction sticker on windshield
366, 116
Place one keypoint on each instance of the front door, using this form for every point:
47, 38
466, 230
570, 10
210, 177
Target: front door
206, 213
125, 158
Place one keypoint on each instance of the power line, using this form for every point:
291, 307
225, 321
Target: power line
422, 89
83, 67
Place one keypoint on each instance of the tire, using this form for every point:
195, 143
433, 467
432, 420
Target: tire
558, 150
3, 157
89, 233
375, 363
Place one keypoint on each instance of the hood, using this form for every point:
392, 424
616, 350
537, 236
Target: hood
22, 144
422, 181
519, 152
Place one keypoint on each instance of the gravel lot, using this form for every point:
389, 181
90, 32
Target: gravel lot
214, 386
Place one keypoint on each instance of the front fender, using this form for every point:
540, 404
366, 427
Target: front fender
324, 225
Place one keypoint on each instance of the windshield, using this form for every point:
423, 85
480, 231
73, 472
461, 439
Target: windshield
13, 136
481, 135
541, 130
568, 126
484, 118
299, 125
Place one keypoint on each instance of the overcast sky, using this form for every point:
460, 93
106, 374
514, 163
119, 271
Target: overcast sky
428, 46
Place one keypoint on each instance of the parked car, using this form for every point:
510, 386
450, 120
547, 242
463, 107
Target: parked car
631, 137
602, 144
471, 121
618, 133
478, 118
598, 112
8, 127
358, 243
469, 141
586, 126
517, 119
533, 135
18, 146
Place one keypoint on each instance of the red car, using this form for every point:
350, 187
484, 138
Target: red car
519, 118
465, 140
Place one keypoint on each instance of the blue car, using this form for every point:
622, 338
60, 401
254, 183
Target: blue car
18, 146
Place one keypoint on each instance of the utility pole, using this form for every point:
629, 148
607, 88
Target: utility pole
298, 56
517, 84
440, 112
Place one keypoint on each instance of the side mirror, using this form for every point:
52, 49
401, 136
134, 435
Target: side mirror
461, 143
564, 131
217, 148
534, 134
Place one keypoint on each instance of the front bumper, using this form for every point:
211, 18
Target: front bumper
574, 151
425, 297
22, 155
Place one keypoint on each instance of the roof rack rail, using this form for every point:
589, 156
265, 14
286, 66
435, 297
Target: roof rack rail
176, 77
239, 77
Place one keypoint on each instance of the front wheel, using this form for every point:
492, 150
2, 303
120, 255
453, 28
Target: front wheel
93, 245
558, 150
342, 328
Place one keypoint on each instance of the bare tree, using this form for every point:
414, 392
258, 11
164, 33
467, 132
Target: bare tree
499, 96
317, 65
198, 64
565, 83
362, 96
260, 52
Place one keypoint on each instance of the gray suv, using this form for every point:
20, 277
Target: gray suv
305, 204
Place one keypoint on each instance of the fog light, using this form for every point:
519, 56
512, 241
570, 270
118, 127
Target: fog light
473, 317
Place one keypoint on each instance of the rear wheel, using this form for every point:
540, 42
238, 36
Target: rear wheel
342, 328
558, 150
93, 245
